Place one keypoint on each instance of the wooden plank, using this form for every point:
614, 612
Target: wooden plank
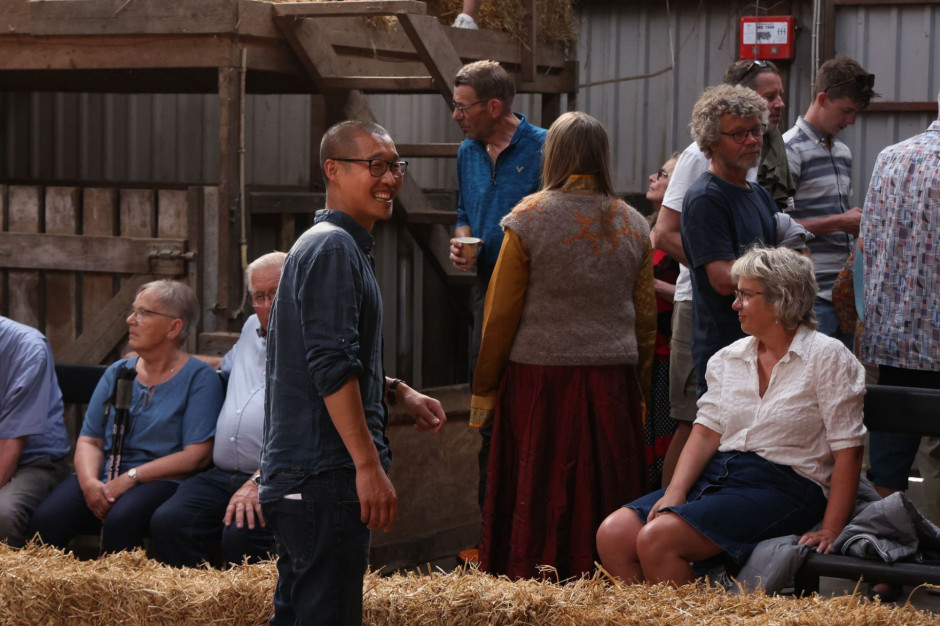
111, 17
280, 202
137, 214
98, 219
14, 17
105, 330
209, 257
231, 110
4, 301
386, 84
310, 42
23, 217
61, 287
87, 253
902, 107
427, 150
530, 23
172, 213
435, 50
362, 8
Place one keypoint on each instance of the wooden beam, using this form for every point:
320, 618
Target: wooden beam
86, 253
427, 150
111, 17
902, 107
106, 329
274, 202
435, 50
363, 8
530, 22
231, 112
391, 84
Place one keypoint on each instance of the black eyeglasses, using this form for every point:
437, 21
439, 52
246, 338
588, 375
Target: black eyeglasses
378, 167
461, 109
662, 174
741, 136
862, 81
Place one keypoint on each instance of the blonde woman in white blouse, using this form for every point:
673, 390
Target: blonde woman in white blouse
776, 445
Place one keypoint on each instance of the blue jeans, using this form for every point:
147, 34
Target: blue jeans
184, 526
829, 324
323, 550
64, 515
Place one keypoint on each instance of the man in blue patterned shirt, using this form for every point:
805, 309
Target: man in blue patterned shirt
821, 167
901, 309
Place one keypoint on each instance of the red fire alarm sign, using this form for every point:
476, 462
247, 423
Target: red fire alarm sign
767, 37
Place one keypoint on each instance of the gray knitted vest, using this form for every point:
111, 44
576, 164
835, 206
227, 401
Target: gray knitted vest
585, 253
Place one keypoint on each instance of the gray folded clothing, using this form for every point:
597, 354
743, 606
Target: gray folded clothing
791, 234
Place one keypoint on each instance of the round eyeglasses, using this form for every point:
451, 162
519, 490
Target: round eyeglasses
741, 136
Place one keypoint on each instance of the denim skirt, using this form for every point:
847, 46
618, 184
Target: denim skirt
742, 499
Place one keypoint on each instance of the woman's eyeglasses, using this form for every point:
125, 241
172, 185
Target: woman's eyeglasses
661, 174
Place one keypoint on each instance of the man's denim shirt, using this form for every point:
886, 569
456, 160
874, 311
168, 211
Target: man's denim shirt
326, 324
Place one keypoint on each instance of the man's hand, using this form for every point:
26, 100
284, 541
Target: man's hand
98, 498
243, 507
458, 261
822, 539
852, 219
428, 412
377, 500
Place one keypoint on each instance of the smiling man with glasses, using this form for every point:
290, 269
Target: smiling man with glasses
821, 166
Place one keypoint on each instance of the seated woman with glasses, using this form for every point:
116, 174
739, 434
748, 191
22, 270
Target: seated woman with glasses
170, 413
776, 446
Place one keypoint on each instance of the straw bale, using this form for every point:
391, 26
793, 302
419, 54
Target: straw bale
556, 19
42, 585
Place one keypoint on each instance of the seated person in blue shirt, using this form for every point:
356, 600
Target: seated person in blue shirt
221, 503
170, 425
33, 442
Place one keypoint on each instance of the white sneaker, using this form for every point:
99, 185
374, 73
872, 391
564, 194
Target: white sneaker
465, 21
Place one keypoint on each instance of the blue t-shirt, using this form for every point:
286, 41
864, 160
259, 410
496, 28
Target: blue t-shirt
326, 326
163, 419
719, 222
30, 400
487, 191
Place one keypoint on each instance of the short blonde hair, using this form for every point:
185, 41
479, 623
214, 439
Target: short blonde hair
788, 282
719, 101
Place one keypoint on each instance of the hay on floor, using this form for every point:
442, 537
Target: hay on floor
42, 585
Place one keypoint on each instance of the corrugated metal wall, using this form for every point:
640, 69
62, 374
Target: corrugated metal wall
685, 45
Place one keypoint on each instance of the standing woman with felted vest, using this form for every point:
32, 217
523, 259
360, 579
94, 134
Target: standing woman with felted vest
568, 339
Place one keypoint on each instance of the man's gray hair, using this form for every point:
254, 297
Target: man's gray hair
179, 300
722, 100
787, 281
271, 259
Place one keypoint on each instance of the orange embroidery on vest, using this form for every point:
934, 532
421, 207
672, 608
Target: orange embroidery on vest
607, 219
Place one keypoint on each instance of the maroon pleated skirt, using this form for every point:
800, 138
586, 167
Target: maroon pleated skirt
567, 450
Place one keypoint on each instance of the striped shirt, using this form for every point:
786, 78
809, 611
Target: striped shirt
823, 187
900, 233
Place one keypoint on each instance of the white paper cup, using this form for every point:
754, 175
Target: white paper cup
469, 247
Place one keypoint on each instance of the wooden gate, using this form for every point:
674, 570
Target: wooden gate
72, 259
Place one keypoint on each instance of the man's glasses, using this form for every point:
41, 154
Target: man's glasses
461, 109
741, 136
143, 314
661, 174
378, 167
260, 299
862, 81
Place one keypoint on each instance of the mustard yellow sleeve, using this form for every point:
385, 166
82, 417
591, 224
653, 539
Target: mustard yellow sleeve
501, 314
644, 302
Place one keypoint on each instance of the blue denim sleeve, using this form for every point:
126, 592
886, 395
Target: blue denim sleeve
462, 217
202, 406
329, 304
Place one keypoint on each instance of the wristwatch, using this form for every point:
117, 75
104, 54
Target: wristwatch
132, 474
256, 479
390, 398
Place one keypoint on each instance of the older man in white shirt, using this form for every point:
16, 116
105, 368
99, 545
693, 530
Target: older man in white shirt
221, 503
